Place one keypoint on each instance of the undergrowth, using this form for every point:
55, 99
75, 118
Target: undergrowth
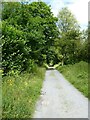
20, 93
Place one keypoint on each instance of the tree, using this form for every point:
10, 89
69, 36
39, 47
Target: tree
89, 41
28, 32
44, 29
69, 35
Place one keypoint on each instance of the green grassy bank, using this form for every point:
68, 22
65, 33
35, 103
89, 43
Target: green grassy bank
20, 93
77, 74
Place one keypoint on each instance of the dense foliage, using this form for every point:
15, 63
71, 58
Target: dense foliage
28, 32
72, 43
32, 35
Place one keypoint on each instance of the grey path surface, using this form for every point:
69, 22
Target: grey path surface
59, 99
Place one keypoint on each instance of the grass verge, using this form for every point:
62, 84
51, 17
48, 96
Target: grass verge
20, 93
77, 74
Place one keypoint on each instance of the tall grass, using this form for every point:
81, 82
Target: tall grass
77, 74
20, 93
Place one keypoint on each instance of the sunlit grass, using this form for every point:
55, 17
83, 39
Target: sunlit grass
20, 94
77, 74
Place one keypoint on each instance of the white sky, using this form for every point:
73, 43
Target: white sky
78, 7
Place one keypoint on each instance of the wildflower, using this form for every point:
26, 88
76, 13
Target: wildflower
29, 101
10, 82
26, 84
1, 72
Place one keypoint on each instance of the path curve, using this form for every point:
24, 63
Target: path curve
59, 99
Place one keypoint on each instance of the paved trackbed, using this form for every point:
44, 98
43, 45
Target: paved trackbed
59, 99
